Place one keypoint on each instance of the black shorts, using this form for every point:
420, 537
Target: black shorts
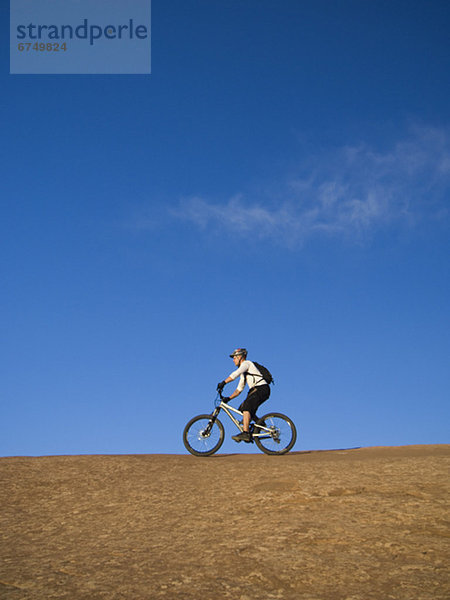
255, 398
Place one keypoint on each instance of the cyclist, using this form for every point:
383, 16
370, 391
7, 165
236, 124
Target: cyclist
259, 390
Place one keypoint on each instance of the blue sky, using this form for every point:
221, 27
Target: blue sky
280, 181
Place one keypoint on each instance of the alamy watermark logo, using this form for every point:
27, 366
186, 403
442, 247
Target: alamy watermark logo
80, 36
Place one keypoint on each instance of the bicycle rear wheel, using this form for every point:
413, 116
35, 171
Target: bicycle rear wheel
281, 436
202, 436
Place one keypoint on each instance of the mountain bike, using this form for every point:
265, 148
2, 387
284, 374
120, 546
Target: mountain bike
273, 433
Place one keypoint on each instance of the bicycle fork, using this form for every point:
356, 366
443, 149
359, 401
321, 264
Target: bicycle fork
206, 432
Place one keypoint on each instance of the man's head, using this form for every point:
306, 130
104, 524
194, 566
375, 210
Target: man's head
239, 355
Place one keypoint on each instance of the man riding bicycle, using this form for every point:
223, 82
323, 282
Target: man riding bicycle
259, 390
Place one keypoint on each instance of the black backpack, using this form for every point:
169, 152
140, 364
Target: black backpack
267, 375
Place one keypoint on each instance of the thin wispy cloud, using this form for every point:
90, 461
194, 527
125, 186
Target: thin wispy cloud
351, 193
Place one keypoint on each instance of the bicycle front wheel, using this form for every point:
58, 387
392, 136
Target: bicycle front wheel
278, 435
202, 436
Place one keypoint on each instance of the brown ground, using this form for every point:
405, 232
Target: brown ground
337, 525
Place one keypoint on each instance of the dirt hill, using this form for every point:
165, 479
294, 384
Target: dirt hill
336, 525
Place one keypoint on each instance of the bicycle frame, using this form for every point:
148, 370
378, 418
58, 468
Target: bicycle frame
229, 410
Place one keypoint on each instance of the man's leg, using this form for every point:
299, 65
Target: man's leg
245, 436
251, 402
246, 420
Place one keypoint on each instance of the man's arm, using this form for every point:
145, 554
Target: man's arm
234, 375
235, 394
240, 387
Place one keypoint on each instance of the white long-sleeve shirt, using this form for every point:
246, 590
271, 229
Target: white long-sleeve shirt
254, 376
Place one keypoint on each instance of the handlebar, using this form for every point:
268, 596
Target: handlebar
219, 398
219, 393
